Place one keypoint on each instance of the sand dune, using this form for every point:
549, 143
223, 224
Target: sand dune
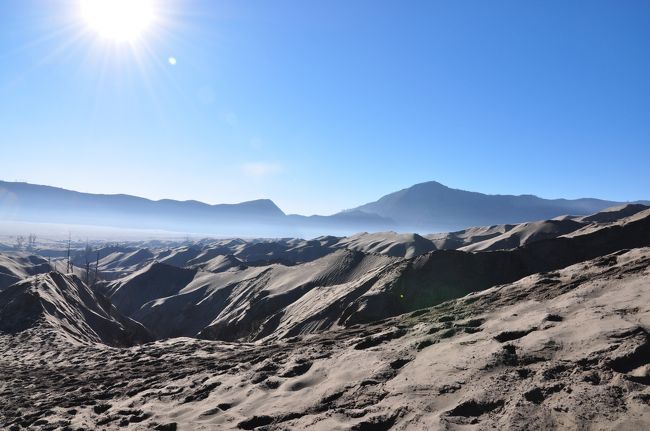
455, 240
18, 266
154, 281
503, 237
66, 306
388, 243
373, 331
615, 213
525, 233
344, 287
517, 356
251, 303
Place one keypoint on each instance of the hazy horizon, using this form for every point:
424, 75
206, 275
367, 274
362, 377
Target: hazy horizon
324, 106
639, 199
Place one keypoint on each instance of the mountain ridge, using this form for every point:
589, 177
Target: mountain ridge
419, 206
424, 207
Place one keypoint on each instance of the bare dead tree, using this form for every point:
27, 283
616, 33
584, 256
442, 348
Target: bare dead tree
87, 254
20, 241
96, 268
68, 268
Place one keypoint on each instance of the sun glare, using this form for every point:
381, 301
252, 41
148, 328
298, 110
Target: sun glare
118, 20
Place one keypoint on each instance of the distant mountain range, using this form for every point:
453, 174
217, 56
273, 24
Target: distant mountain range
425, 207
432, 204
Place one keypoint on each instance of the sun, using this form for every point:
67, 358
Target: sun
118, 20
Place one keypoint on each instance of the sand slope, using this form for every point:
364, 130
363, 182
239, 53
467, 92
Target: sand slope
508, 236
345, 287
67, 307
562, 350
18, 266
526, 233
253, 302
388, 243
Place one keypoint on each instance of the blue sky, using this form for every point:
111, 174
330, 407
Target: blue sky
325, 105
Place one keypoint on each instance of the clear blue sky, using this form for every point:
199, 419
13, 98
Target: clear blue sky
325, 105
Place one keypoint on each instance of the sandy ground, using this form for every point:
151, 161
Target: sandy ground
568, 349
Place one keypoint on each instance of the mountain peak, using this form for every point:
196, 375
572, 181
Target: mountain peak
267, 205
428, 184
435, 207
